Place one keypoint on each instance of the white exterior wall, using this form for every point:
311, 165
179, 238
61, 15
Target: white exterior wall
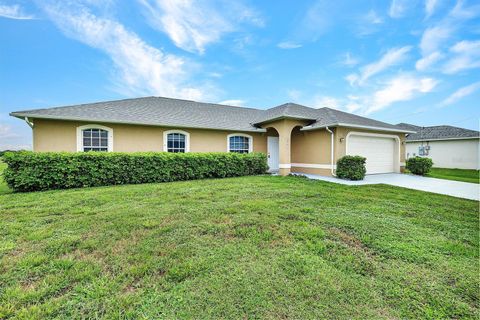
461, 154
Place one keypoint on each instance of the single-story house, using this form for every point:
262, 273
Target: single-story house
296, 138
447, 146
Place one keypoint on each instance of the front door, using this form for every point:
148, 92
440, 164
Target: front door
273, 153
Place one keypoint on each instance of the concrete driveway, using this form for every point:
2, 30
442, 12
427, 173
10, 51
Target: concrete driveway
452, 188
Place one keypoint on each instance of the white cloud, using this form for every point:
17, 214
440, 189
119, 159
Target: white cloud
430, 44
319, 17
400, 88
348, 60
6, 132
461, 93
433, 37
462, 13
288, 45
14, 12
389, 59
141, 68
215, 75
466, 55
397, 8
426, 62
352, 79
294, 94
352, 106
192, 25
233, 102
368, 23
8, 146
14, 138
326, 101
373, 17
430, 6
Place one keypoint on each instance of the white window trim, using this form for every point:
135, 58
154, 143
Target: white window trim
93, 126
397, 162
250, 140
187, 139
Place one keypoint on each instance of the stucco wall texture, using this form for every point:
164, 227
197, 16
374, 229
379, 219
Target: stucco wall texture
455, 154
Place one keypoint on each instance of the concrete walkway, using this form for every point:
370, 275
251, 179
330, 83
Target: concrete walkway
452, 188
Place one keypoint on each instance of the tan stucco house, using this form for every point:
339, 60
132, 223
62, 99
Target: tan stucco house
296, 138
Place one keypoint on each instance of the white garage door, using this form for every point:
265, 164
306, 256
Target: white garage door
379, 152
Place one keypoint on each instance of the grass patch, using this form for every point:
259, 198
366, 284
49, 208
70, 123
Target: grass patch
249, 247
464, 175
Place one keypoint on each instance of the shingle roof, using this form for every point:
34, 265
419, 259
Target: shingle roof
409, 126
438, 132
160, 111
155, 111
333, 117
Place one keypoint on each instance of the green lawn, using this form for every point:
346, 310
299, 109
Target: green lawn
464, 175
251, 247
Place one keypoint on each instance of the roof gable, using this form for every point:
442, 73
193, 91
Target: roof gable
288, 110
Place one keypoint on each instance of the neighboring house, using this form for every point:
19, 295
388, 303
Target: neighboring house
295, 138
447, 146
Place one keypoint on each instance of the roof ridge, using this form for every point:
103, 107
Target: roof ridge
408, 124
450, 126
213, 103
86, 103
356, 115
138, 98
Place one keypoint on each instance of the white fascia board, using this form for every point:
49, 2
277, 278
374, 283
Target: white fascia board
307, 128
442, 139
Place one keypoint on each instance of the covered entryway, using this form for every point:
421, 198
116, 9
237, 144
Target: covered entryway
381, 151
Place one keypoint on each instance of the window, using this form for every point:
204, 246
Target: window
94, 138
176, 141
240, 143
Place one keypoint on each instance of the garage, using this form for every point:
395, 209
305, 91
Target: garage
381, 151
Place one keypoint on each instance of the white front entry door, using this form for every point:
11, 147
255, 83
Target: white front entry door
379, 151
273, 153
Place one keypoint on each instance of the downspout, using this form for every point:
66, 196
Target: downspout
331, 152
30, 124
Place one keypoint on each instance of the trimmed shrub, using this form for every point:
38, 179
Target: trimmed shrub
30, 171
351, 167
419, 165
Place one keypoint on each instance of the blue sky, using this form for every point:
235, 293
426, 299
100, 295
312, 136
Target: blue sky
396, 61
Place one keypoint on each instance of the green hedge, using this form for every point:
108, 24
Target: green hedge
418, 165
30, 171
351, 168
